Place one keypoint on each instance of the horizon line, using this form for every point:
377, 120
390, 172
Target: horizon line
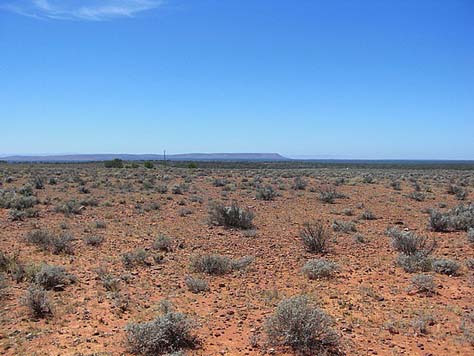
4, 156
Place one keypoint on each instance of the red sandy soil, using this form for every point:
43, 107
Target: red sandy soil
368, 294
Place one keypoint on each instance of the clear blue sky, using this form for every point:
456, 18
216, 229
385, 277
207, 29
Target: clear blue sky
347, 79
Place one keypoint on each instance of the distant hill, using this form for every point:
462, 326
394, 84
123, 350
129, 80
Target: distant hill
150, 157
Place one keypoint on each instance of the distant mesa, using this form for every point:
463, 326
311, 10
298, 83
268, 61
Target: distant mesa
150, 157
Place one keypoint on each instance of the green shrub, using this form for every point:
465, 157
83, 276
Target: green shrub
148, 165
115, 163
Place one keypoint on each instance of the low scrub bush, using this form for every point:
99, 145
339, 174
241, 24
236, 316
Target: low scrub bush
37, 301
212, 264
162, 188
53, 277
62, 244
418, 262
47, 241
94, 240
71, 207
470, 235
301, 326
409, 243
344, 226
219, 265
137, 257
196, 285
242, 263
163, 243
20, 215
424, 283
417, 196
232, 216
421, 322
460, 217
41, 238
299, 183
320, 268
12, 200
169, 332
470, 264
314, 236
368, 215
3, 285
329, 195
446, 266
266, 193
467, 327
459, 192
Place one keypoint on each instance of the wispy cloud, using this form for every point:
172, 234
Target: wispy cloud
94, 10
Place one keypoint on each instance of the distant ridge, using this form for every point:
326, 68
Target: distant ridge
150, 157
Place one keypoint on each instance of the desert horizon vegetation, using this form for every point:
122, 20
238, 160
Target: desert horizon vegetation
236, 258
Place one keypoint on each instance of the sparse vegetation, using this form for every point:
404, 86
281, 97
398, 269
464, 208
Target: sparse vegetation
169, 332
212, 264
94, 240
115, 163
299, 183
47, 241
424, 283
37, 301
130, 240
344, 226
446, 266
232, 216
303, 327
163, 243
319, 268
460, 217
266, 193
196, 285
409, 243
328, 194
53, 277
314, 236
137, 257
